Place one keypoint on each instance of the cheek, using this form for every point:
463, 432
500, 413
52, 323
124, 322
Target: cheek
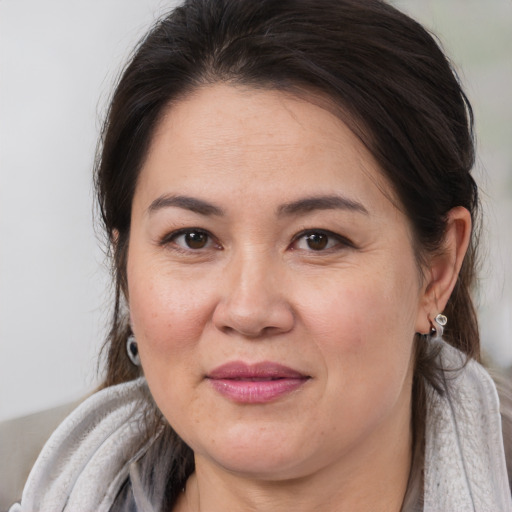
357, 312
366, 347
168, 316
365, 323
167, 313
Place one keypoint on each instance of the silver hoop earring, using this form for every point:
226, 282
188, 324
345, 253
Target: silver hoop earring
437, 330
133, 350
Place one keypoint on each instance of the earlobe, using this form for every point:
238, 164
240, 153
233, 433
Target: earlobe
444, 267
114, 238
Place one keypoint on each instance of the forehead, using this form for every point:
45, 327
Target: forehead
254, 139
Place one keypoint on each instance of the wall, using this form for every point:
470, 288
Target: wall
58, 60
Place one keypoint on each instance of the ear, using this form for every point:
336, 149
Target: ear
114, 238
444, 267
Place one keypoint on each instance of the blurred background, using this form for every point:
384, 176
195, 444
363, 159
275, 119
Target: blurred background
58, 62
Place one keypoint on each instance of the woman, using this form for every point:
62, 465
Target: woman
286, 188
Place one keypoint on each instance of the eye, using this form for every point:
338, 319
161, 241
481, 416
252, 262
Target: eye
194, 239
319, 240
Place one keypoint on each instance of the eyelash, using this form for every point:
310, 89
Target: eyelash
341, 241
172, 237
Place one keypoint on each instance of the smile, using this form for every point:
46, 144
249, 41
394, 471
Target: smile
255, 383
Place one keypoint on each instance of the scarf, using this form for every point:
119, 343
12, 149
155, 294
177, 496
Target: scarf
85, 462
465, 468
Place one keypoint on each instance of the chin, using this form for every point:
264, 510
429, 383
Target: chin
263, 468
260, 455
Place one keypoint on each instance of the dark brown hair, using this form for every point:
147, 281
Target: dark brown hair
387, 76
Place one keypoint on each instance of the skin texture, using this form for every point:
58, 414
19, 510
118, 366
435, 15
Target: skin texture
253, 289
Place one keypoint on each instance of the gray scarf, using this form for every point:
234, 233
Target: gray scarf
86, 461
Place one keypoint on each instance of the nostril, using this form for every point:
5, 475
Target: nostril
254, 326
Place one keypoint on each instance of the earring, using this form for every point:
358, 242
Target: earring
133, 350
437, 330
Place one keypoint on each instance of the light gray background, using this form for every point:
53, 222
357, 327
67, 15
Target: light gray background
58, 60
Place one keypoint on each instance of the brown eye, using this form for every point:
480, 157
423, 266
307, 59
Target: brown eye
195, 239
320, 240
192, 239
317, 241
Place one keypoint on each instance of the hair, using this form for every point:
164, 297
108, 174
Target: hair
387, 78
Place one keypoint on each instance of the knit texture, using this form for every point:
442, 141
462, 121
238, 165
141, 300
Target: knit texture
465, 469
87, 460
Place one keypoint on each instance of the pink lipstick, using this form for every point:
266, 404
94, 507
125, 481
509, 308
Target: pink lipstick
255, 383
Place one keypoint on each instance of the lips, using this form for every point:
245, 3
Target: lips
255, 383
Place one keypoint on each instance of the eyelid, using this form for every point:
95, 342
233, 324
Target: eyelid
342, 240
170, 238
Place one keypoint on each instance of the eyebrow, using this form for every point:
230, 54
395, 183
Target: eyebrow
328, 202
301, 206
187, 203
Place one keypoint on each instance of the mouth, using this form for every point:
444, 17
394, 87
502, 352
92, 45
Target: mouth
255, 383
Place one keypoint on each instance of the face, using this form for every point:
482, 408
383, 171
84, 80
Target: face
272, 284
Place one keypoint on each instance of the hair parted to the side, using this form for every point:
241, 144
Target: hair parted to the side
386, 77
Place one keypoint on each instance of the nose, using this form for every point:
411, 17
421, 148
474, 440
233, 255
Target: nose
253, 302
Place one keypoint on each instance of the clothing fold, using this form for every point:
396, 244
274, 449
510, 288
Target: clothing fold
86, 460
85, 463
465, 467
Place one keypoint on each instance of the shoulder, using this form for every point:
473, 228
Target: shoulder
86, 460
